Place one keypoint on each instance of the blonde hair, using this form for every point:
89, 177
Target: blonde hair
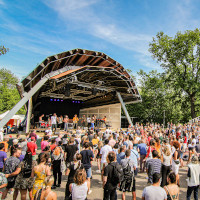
166, 151
48, 181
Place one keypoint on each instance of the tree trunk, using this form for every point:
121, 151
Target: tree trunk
192, 101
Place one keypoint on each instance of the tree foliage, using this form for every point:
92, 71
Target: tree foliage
158, 97
9, 95
3, 50
180, 57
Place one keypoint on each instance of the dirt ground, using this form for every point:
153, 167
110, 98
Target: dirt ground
97, 191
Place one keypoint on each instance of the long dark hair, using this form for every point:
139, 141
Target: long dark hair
28, 159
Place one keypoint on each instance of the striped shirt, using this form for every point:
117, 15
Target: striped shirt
153, 166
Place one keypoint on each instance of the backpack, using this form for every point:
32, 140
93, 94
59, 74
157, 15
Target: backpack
128, 174
27, 170
117, 173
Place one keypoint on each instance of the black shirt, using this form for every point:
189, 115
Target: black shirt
71, 151
72, 172
108, 171
86, 158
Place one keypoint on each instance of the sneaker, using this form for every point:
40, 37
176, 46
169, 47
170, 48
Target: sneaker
90, 191
98, 171
58, 185
53, 187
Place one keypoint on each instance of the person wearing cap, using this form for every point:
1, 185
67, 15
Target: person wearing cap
32, 147
193, 177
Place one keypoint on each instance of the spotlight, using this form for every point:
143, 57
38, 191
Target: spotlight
54, 99
51, 99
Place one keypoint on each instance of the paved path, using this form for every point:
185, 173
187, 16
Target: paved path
97, 191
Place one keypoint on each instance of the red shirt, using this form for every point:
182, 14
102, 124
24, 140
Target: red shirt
32, 147
53, 146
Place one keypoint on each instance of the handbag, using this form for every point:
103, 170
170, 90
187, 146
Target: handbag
63, 166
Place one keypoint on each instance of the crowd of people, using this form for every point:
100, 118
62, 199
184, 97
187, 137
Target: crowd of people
119, 155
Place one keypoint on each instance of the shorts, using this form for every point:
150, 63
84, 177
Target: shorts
10, 184
175, 167
128, 186
89, 172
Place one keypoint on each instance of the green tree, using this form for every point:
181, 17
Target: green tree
9, 95
3, 50
180, 57
158, 97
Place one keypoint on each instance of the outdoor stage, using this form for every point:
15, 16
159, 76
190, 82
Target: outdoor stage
81, 82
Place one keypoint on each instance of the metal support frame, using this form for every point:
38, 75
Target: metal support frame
30, 105
28, 95
124, 108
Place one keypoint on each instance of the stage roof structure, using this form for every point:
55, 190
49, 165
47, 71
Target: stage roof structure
88, 76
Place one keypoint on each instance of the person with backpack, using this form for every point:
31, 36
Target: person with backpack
128, 182
24, 181
112, 176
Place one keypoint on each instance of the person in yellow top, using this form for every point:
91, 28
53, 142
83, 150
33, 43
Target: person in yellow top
75, 121
40, 172
95, 140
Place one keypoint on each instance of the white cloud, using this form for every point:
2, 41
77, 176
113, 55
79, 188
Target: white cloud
81, 12
2, 2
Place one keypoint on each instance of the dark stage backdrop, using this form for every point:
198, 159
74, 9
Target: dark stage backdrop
48, 106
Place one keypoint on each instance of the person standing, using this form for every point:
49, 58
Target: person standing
172, 188
166, 159
11, 171
32, 147
3, 156
87, 157
153, 166
142, 149
66, 121
70, 150
54, 122
154, 192
135, 158
40, 172
75, 121
24, 181
193, 178
109, 185
128, 183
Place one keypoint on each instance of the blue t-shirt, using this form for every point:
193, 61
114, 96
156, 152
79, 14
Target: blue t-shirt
3, 155
142, 148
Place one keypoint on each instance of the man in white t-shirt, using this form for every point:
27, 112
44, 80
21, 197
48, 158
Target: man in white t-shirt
54, 122
103, 154
154, 192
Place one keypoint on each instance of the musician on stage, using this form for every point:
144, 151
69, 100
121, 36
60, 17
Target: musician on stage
66, 121
83, 121
75, 121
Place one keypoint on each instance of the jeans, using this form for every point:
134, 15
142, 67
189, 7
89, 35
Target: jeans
54, 126
65, 126
190, 190
142, 163
165, 172
109, 194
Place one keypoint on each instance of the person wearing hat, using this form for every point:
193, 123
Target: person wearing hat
32, 147
193, 177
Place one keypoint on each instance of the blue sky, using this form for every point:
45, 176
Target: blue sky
122, 29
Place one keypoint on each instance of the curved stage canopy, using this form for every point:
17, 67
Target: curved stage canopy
88, 76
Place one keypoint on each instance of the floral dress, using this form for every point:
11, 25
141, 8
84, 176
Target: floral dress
39, 180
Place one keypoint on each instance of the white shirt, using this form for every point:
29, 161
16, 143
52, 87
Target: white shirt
53, 120
88, 120
104, 152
